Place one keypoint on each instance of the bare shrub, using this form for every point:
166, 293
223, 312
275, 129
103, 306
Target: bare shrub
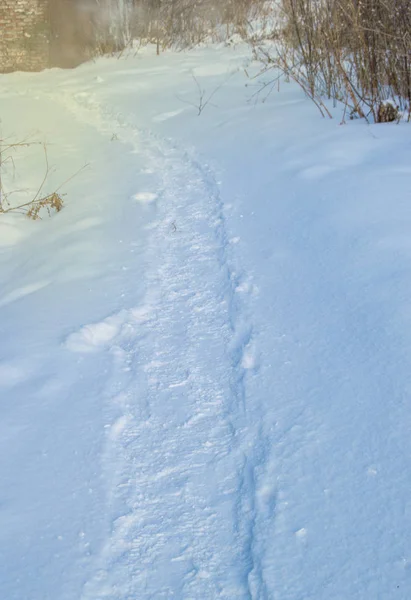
355, 51
203, 97
178, 23
34, 205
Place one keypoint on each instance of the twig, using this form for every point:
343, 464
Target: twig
203, 99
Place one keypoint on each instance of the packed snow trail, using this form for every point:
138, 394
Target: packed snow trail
181, 507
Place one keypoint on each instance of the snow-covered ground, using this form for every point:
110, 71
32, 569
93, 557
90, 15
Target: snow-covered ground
205, 358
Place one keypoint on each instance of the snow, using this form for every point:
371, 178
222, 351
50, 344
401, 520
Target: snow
205, 357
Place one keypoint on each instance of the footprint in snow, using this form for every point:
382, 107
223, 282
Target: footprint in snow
249, 358
95, 336
103, 334
145, 197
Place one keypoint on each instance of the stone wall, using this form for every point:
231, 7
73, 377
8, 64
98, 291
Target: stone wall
24, 35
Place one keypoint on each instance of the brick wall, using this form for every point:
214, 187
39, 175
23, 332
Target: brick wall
24, 35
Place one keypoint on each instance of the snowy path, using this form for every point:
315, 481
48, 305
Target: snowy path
181, 508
